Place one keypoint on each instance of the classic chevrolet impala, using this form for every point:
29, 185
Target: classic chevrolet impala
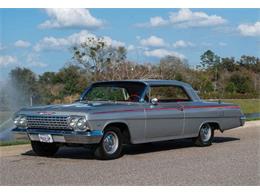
111, 114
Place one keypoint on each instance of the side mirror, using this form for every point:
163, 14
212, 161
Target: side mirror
154, 101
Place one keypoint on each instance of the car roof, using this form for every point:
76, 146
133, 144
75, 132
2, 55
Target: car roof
150, 82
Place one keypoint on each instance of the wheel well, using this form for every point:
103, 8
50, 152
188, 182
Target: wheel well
214, 125
124, 130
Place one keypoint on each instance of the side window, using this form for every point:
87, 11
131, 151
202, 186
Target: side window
168, 93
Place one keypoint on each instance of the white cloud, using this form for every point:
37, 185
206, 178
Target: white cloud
185, 18
160, 53
130, 47
113, 43
153, 41
70, 18
158, 21
182, 44
22, 44
251, 30
7, 60
53, 43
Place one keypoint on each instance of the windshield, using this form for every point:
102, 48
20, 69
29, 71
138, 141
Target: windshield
115, 91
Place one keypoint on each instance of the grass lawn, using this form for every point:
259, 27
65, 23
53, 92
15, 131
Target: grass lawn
10, 143
247, 105
252, 119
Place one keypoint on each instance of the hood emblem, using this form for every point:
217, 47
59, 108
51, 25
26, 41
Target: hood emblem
46, 113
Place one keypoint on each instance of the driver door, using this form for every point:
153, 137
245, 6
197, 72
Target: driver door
164, 119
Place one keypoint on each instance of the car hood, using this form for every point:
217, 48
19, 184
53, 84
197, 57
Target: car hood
78, 107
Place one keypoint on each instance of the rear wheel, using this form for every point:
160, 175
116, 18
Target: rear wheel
205, 137
44, 149
111, 144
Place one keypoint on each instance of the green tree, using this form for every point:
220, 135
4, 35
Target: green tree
228, 64
230, 87
72, 79
47, 82
171, 67
240, 83
48, 78
210, 61
96, 56
250, 62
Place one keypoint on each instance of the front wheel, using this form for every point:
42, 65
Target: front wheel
111, 144
205, 137
44, 149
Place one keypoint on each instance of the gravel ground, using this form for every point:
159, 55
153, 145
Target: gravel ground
233, 159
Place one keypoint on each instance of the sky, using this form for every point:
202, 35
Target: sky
41, 39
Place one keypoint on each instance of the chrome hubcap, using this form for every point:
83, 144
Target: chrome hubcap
205, 133
110, 142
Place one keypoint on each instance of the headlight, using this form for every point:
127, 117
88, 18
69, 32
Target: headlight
73, 122
20, 121
82, 124
16, 120
78, 123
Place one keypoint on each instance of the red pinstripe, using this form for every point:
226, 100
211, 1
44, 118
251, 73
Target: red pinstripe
149, 109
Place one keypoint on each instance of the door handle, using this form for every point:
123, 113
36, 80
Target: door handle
181, 107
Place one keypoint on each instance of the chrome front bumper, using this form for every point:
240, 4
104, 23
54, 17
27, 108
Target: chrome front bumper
58, 136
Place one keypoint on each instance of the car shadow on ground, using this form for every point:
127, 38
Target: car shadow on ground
85, 153
169, 145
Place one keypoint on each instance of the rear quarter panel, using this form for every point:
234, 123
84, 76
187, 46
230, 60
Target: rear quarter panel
198, 113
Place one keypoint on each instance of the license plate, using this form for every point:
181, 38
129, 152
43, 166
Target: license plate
45, 138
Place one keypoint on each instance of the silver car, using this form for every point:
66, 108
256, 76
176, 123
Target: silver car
111, 114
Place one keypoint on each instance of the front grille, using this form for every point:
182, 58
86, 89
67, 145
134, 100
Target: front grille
48, 122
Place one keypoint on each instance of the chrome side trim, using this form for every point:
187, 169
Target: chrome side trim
89, 137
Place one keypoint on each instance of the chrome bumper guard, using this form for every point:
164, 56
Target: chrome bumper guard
242, 120
89, 137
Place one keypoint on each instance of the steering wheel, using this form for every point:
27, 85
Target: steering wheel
134, 97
